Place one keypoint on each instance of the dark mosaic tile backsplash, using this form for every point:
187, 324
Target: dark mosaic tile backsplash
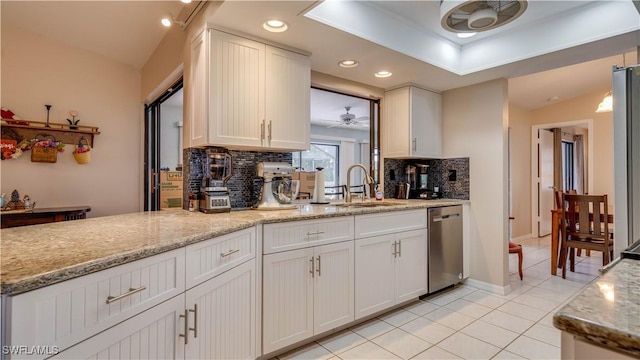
450, 175
244, 185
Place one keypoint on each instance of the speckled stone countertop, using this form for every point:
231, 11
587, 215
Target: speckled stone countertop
607, 312
40, 255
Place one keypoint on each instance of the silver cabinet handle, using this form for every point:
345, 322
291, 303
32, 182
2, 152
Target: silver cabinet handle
312, 267
186, 327
314, 233
395, 253
229, 253
269, 131
414, 144
131, 291
318, 269
262, 130
399, 248
195, 321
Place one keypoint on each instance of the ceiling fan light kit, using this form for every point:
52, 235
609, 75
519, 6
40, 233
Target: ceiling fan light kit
461, 16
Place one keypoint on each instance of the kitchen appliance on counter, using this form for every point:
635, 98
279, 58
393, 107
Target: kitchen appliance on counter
417, 178
214, 194
278, 189
445, 247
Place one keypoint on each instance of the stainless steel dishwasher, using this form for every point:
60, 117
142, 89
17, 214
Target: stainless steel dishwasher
445, 247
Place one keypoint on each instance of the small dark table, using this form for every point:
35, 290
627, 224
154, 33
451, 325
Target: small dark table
43, 216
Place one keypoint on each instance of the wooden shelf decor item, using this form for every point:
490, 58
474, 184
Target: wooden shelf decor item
27, 129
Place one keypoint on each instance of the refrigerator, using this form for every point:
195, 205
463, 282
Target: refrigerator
626, 152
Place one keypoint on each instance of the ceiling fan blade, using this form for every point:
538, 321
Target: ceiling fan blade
361, 118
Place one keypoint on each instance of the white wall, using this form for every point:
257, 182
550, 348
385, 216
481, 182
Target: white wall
475, 126
520, 168
38, 71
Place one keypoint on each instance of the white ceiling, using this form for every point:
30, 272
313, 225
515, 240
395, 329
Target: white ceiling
129, 31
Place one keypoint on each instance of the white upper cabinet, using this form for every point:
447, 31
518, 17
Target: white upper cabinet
412, 123
248, 95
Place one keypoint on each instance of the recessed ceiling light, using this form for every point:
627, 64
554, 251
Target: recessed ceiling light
166, 22
275, 25
348, 63
464, 35
383, 74
186, 1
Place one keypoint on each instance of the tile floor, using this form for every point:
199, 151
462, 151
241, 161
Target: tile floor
468, 323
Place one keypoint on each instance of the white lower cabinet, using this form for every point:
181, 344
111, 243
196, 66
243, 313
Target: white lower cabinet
390, 269
306, 292
222, 316
153, 334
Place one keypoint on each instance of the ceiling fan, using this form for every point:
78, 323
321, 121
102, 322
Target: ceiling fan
350, 119
479, 15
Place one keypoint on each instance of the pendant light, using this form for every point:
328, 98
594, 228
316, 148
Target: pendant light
606, 105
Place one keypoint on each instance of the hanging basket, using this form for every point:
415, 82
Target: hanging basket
44, 154
83, 157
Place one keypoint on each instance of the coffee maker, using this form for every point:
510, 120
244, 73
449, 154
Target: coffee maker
278, 189
214, 194
417, 178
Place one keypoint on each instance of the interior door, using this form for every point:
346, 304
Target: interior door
545, 181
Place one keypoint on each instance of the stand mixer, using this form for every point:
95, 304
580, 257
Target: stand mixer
278, 190
214, 195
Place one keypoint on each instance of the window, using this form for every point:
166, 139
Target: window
567, 166
320, 155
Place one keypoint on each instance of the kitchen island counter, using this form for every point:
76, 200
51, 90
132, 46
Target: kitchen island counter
36, 256
607, 312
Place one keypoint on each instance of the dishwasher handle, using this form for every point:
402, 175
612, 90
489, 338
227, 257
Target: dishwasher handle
445, 217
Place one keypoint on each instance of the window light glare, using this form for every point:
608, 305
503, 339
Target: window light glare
275, 25
186, 1
383, 74
466, 35
348, 63
166, 22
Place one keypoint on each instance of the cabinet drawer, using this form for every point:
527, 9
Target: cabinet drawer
299, 234
389, 222
66, 313
212, 257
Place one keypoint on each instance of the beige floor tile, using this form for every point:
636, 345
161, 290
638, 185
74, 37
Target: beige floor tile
435, 353
367, 350
311, 351
372, 328
486, 299
548, 319
468, 347
523, 311
421, 307
548, 294
536, 302
505, 355
401, 343
342, 341
469, 308
533, 349
449, 295
490, 333
427, 330
508, 321
450, 318
398, 317
545, 334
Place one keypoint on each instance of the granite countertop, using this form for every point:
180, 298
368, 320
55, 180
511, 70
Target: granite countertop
607, 312
40, 255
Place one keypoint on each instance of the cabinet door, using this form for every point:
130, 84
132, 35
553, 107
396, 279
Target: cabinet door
426, 123
411, 265
396, 123
333, 286
153, 334
287, 297
236, 91
374, 269
198, 94
222, 313
288, 79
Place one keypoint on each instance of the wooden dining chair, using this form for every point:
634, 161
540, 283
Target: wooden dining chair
335, 192
587, 227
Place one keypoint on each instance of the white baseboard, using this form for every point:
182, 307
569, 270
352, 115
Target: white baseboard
501, 290
522, 237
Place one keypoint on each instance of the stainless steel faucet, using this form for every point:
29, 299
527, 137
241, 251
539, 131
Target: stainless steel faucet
367, 180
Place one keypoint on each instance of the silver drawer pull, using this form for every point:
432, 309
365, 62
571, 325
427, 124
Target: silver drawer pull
195, 320
131, 291
315, 233
229, 253
312, 267
186, 327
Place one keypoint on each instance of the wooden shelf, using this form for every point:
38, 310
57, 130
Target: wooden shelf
26, 129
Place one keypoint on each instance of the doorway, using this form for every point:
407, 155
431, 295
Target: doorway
543, 158
163, 150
